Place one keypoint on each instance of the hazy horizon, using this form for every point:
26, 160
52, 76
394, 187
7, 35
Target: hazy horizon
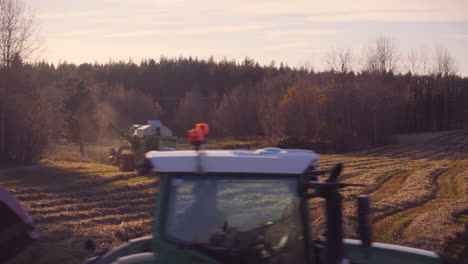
297, 32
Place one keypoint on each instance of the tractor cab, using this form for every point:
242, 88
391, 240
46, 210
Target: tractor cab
231, 206
242, 206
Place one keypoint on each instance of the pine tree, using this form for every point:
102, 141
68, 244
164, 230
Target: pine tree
80, 115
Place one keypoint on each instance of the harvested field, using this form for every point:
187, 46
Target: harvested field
419, 193
71, 202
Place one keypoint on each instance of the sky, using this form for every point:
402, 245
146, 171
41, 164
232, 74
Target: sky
299, 33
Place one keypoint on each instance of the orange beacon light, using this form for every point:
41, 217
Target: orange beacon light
196, 136
203, 127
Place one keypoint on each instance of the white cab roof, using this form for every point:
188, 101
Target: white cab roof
154, 123
268, 160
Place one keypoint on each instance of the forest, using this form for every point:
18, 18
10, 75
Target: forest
333, 110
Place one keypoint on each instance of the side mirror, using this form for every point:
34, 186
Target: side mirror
365, 231
335, 172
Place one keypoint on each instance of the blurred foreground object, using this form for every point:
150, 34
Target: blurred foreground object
16, 227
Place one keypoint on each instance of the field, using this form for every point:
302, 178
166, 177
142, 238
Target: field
418, 189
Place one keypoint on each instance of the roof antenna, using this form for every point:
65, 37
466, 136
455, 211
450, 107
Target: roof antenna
197, 138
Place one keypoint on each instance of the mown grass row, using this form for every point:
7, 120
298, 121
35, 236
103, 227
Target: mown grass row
74, 201
393, 175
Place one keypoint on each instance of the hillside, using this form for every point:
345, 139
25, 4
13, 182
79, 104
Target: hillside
418, 188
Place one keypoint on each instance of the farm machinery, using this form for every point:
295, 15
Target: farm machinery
139, 140
233, 206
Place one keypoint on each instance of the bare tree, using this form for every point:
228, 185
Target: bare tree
339, 60
190, 110
307, 65
424, 58
444, 63
382, 56
17, 31
412, 61
17, 28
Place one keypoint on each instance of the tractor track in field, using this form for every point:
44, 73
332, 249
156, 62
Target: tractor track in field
429, 222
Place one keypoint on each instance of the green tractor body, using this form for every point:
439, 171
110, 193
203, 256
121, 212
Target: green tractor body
220, 206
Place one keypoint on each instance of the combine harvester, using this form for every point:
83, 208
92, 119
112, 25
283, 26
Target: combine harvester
233, 206
139, 140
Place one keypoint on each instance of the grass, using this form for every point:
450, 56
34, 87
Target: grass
227, 143
138, 179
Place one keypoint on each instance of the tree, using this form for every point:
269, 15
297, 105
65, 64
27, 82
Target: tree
26, 126
16, 39
412, 61
424, 58
303, 110
444, 63
381, 56
190, 111
236, 112
80, 115
339, 60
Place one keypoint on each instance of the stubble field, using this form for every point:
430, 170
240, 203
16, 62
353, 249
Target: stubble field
418, 189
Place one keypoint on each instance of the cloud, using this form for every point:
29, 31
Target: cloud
133, 34
408, 15
74, 14
51, 16
274, 34
455, 36
227, 29
298, 46
78, 33
222, 29
332, 10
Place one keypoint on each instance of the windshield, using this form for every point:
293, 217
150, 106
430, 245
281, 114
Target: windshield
246, 218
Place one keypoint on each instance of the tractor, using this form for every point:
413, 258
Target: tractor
241, 206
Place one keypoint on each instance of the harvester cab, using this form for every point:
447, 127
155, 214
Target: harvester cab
236, 206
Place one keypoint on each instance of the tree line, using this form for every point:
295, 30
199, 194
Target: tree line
342, 108
337, 109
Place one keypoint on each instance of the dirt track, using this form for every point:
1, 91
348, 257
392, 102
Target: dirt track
419, 198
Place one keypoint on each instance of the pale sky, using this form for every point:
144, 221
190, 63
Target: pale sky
295, 32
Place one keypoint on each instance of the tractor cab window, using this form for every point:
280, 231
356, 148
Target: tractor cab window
240, 219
